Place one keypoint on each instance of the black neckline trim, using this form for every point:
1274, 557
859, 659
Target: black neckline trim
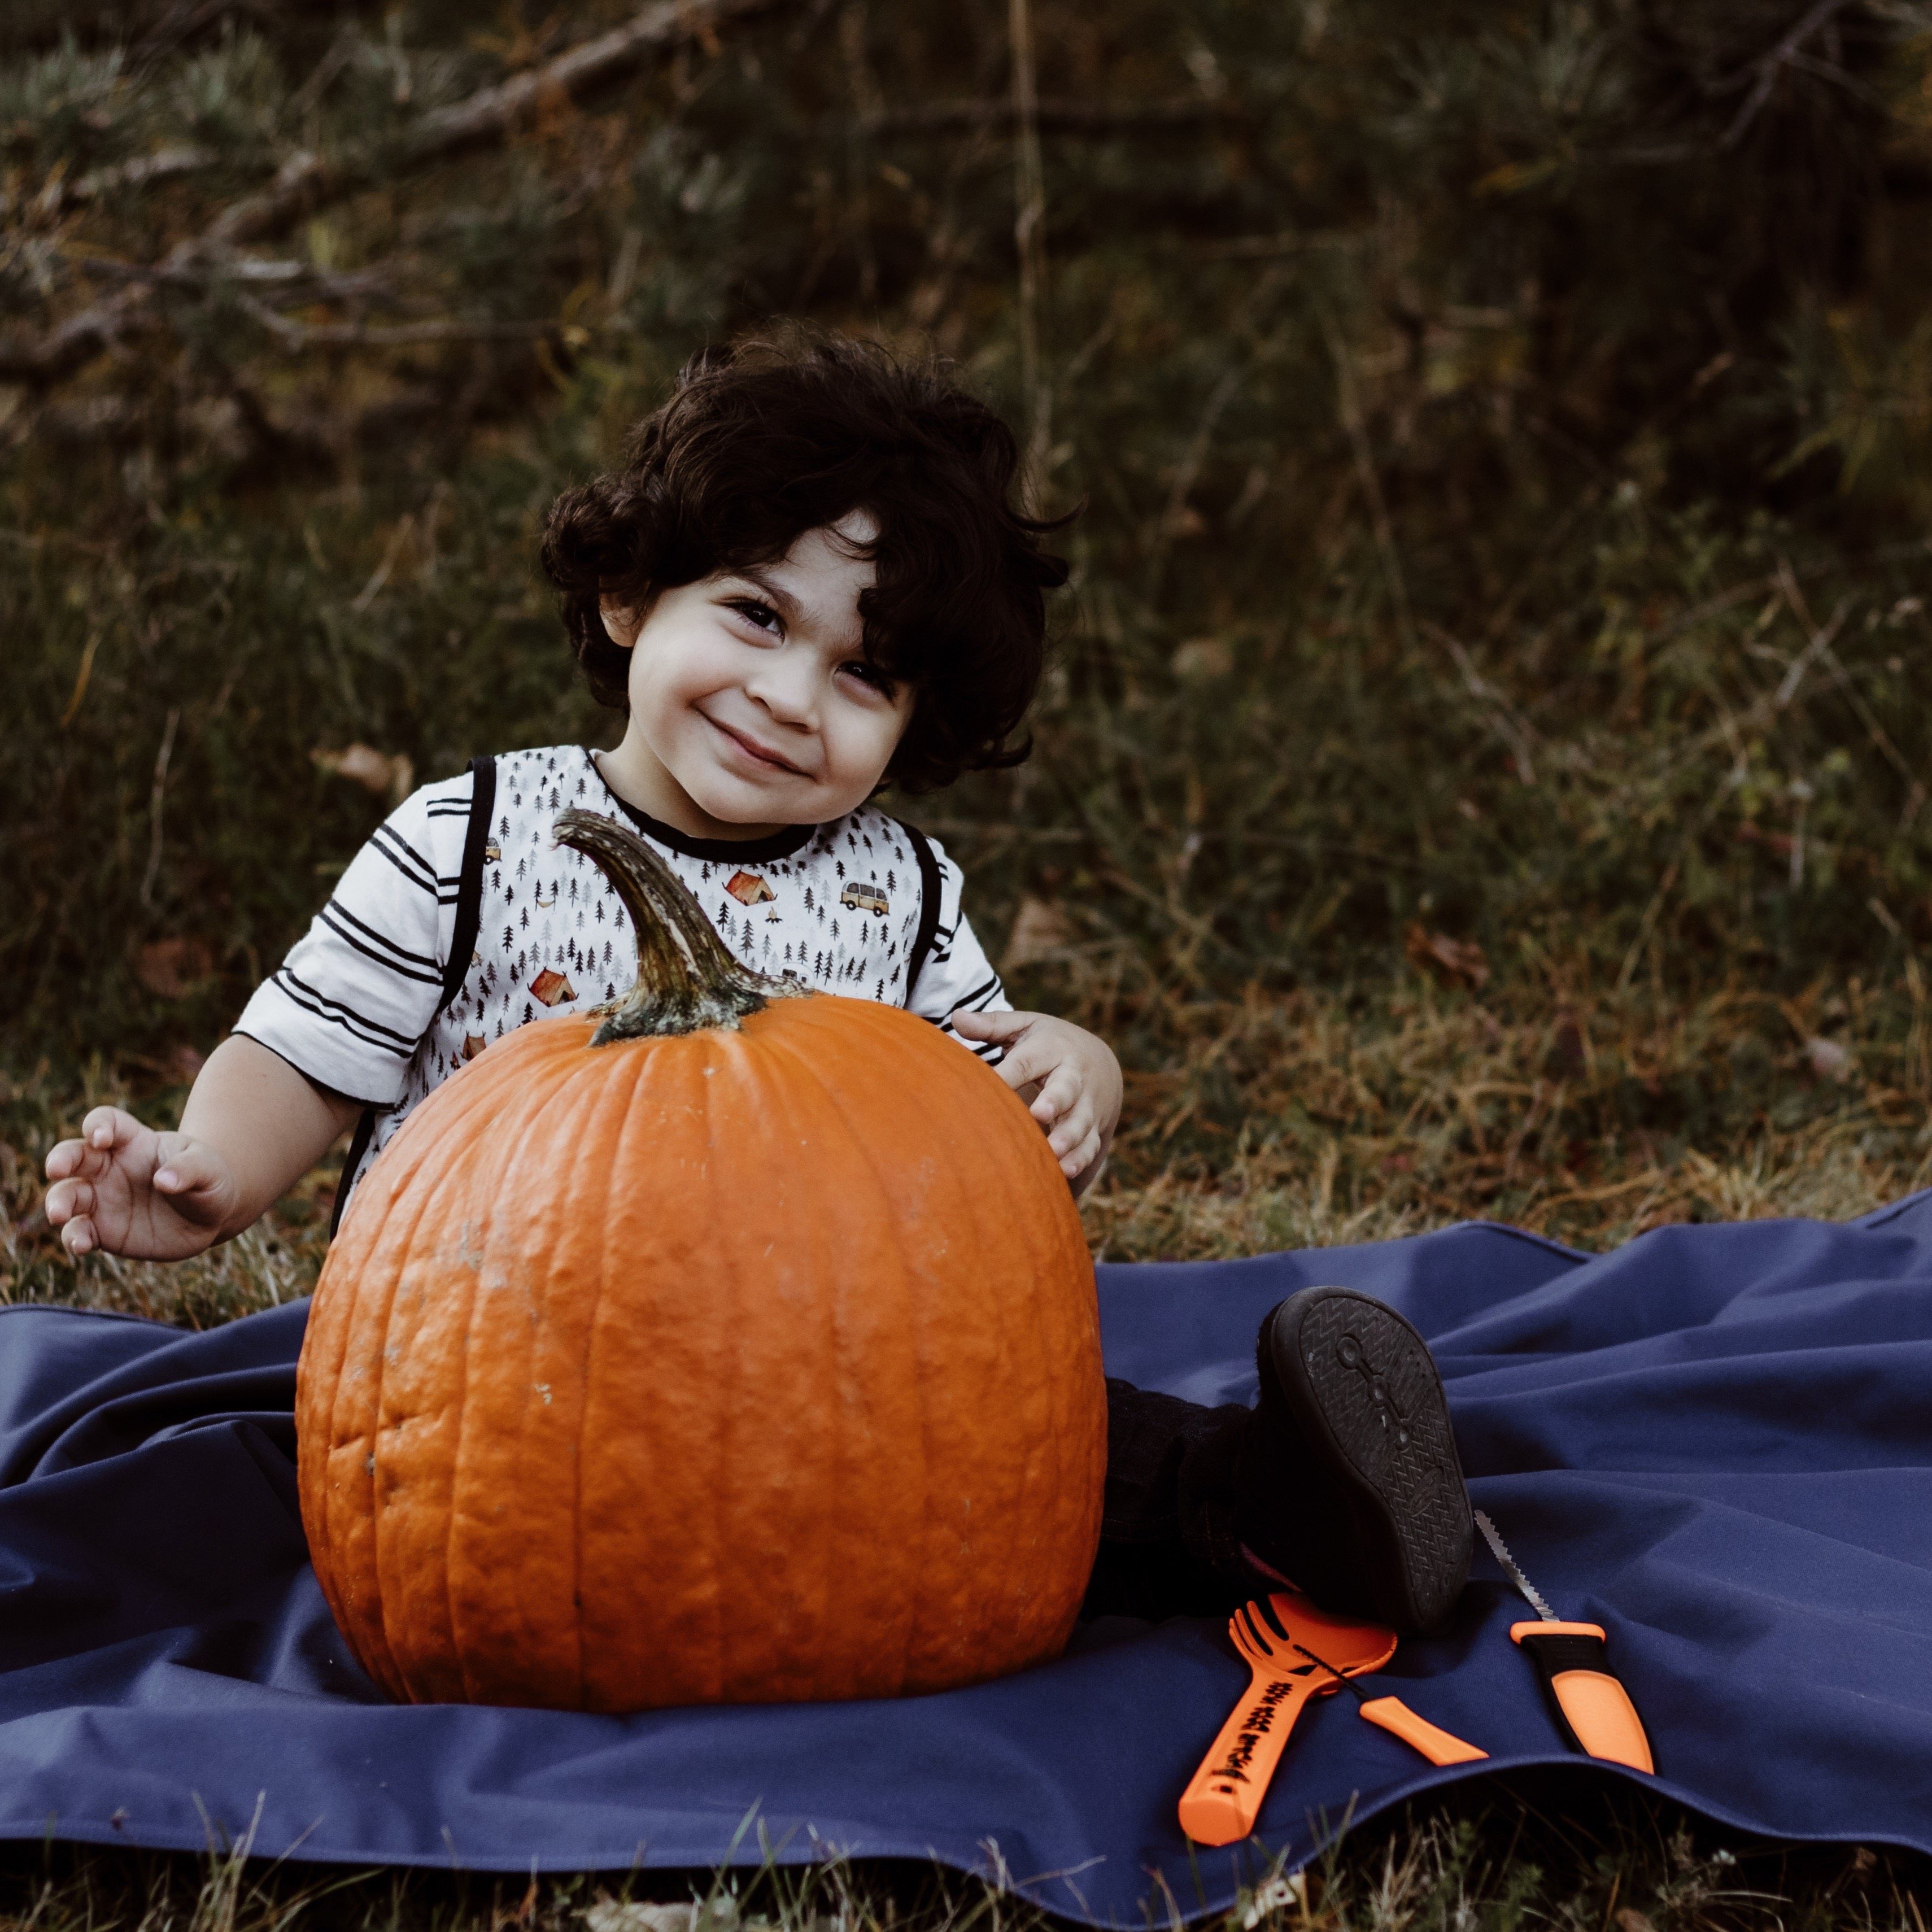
780, 845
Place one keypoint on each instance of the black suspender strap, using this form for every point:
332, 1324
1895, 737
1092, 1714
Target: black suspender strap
462, 945
359, 1145
469, 888
928, 905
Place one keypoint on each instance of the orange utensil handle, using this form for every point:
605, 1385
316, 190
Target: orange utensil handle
1437, 1745
1592, 1709
1224, 1797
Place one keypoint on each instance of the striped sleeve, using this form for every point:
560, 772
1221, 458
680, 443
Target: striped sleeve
358, 989
957, 973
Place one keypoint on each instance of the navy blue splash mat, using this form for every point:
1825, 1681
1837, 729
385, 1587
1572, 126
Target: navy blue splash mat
1717, 1442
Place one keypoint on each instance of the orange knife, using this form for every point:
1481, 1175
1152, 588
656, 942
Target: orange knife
1592, 1709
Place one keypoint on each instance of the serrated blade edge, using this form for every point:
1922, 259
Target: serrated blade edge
1493, 1537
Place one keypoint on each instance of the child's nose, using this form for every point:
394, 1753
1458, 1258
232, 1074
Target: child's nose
787, 687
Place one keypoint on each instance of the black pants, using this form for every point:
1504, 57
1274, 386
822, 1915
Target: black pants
1168, 1546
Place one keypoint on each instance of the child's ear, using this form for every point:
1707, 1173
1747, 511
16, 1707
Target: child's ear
620, 625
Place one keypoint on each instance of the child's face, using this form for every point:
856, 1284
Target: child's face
750, 693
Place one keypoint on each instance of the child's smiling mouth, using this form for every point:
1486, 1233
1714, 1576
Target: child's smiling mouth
751, 750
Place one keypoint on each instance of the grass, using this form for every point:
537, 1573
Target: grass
1560, 1854
1292, 1120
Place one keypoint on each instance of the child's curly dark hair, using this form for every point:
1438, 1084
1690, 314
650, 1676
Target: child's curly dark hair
768, 439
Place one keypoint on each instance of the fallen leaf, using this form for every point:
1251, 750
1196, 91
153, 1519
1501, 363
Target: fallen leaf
1631, 1920
717, 1915
1448, 959
1202, 658
172, 968
1040, 931
390, 774
1829, 1059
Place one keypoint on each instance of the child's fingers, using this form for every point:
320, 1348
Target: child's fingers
1073, 1164
191, 1169
70, 1206
64, 1158
1072, 1128
67, 1199
990, 1026
1034, 1058
106, 1129
1056, 1096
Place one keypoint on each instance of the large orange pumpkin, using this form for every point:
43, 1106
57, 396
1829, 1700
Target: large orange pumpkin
739, 1348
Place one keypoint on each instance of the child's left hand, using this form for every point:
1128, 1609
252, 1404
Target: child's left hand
1069, 1080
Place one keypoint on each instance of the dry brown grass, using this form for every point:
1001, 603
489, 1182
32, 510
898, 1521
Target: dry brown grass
1301, 1119
1304, 1120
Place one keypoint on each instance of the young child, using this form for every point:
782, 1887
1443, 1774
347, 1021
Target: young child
807, 581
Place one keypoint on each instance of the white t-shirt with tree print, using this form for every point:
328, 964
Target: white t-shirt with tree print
369, 1003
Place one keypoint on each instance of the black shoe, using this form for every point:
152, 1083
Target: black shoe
1348, 1484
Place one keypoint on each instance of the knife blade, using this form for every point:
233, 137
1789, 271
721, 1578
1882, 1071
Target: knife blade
1591, 1708
1512, 1570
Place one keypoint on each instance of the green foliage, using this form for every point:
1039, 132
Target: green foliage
1501, 432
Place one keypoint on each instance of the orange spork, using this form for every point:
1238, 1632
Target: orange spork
1280, 1644
1224, 1797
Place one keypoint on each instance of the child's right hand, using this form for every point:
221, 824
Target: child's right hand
126, 1189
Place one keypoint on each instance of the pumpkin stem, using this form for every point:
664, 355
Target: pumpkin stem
686, 980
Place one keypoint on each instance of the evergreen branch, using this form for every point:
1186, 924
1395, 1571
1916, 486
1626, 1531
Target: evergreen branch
1763, 73
296, 336
491, 112
307, 182
60, 194
286, 279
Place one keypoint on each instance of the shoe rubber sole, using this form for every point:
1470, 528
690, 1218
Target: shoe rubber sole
1364, 1387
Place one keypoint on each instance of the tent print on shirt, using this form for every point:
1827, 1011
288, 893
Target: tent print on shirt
552, 988
748, 889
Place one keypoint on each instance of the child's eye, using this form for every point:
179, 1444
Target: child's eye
870, 674
762, 615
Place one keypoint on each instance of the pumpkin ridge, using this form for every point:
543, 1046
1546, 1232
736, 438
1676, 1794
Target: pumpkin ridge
458, 1397
771, 1053
1032, 1506
562, 1108
715, 1544
912, 1640
630, 1096
1000, 1157
735, 1059
996, 1155
479, 1193
352, 1242
384, 1207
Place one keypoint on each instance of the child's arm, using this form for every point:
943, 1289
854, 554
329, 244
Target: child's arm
1074, 1079
253, 1126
